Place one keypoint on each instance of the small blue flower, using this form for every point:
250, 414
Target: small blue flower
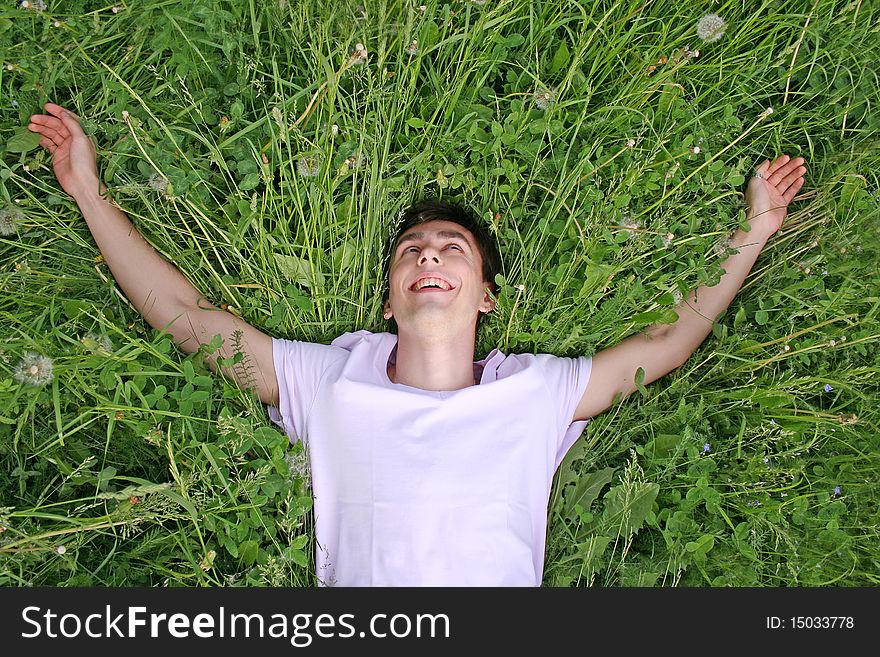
772, 421
707, 448
837, 490
828, 387
824, 272
15, 104
766, 459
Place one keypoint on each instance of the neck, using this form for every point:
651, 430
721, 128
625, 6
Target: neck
434, 363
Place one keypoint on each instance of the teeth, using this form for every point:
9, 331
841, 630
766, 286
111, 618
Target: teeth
431, 281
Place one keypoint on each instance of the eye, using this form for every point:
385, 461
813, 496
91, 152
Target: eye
410, 248
454, 246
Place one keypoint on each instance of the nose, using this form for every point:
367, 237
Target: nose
428, 252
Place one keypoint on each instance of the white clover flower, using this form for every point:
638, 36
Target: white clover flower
60, 549
34, 369
668, 239
711, 27
413, 48
10, 218
308, 166
630, 143
158, 182
359, 55
545, 98
695, 150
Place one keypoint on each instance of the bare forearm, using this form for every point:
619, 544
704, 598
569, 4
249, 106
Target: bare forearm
154, 286
699, 311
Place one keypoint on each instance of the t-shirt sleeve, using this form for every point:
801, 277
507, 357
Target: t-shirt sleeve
567, 379
300, 367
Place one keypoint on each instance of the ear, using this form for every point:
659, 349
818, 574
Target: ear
488, 303
387, 312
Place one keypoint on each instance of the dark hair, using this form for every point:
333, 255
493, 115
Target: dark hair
434, 210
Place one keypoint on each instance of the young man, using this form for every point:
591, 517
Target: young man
428, 468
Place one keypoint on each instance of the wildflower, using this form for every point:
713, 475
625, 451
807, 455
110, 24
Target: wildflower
158, 182
356, 161
56, 23
772, 421
308, 166
631, 226
667, 240
334, 129
413, 48
828, 387
837, 490
707, 448
786, 348
767, 112
824, 272
545, 98
60, 549
359, 55
711, 27
10, 218
117, 9
767, 458
630, 143
852, 418
695, 150
298, 464
34, 369
33, 5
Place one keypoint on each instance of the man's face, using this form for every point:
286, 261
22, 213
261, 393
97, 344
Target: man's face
436, 278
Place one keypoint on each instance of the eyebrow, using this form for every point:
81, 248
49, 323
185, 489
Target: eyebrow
444, 234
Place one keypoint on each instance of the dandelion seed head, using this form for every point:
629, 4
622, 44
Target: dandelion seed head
60, 549
298, 464
413, 48
359, 54
711, 27
10, 218
308, 166
356, 161
33, 5
545, 98
157, 182
34, 369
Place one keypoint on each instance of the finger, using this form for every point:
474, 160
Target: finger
47, 132
763, 168
792, 191
777, 163
39, 123
781, 173
48, 144
57, 110
786, 178
68, 119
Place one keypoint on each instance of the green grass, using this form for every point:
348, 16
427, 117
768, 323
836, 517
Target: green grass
133, 467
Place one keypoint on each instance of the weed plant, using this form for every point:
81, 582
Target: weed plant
267, 148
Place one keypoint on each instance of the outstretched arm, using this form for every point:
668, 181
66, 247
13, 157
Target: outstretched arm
157, 289
661, 348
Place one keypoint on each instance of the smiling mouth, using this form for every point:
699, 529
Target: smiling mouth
429, 284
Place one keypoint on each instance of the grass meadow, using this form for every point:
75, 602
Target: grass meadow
267, 147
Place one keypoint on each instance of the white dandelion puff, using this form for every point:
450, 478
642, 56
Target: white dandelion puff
33, 5
298, 464
158, 183
356, 161
10, 218
60, 550
359, 55
545, 98
413, 48
631, 226
34, 369
711, 27
308, 166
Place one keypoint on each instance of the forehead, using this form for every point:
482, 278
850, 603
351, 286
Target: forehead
437, 228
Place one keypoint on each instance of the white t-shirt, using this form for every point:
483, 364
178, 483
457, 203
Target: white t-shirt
415, 487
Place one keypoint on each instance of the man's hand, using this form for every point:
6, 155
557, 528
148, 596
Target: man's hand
73, 154
772, 189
